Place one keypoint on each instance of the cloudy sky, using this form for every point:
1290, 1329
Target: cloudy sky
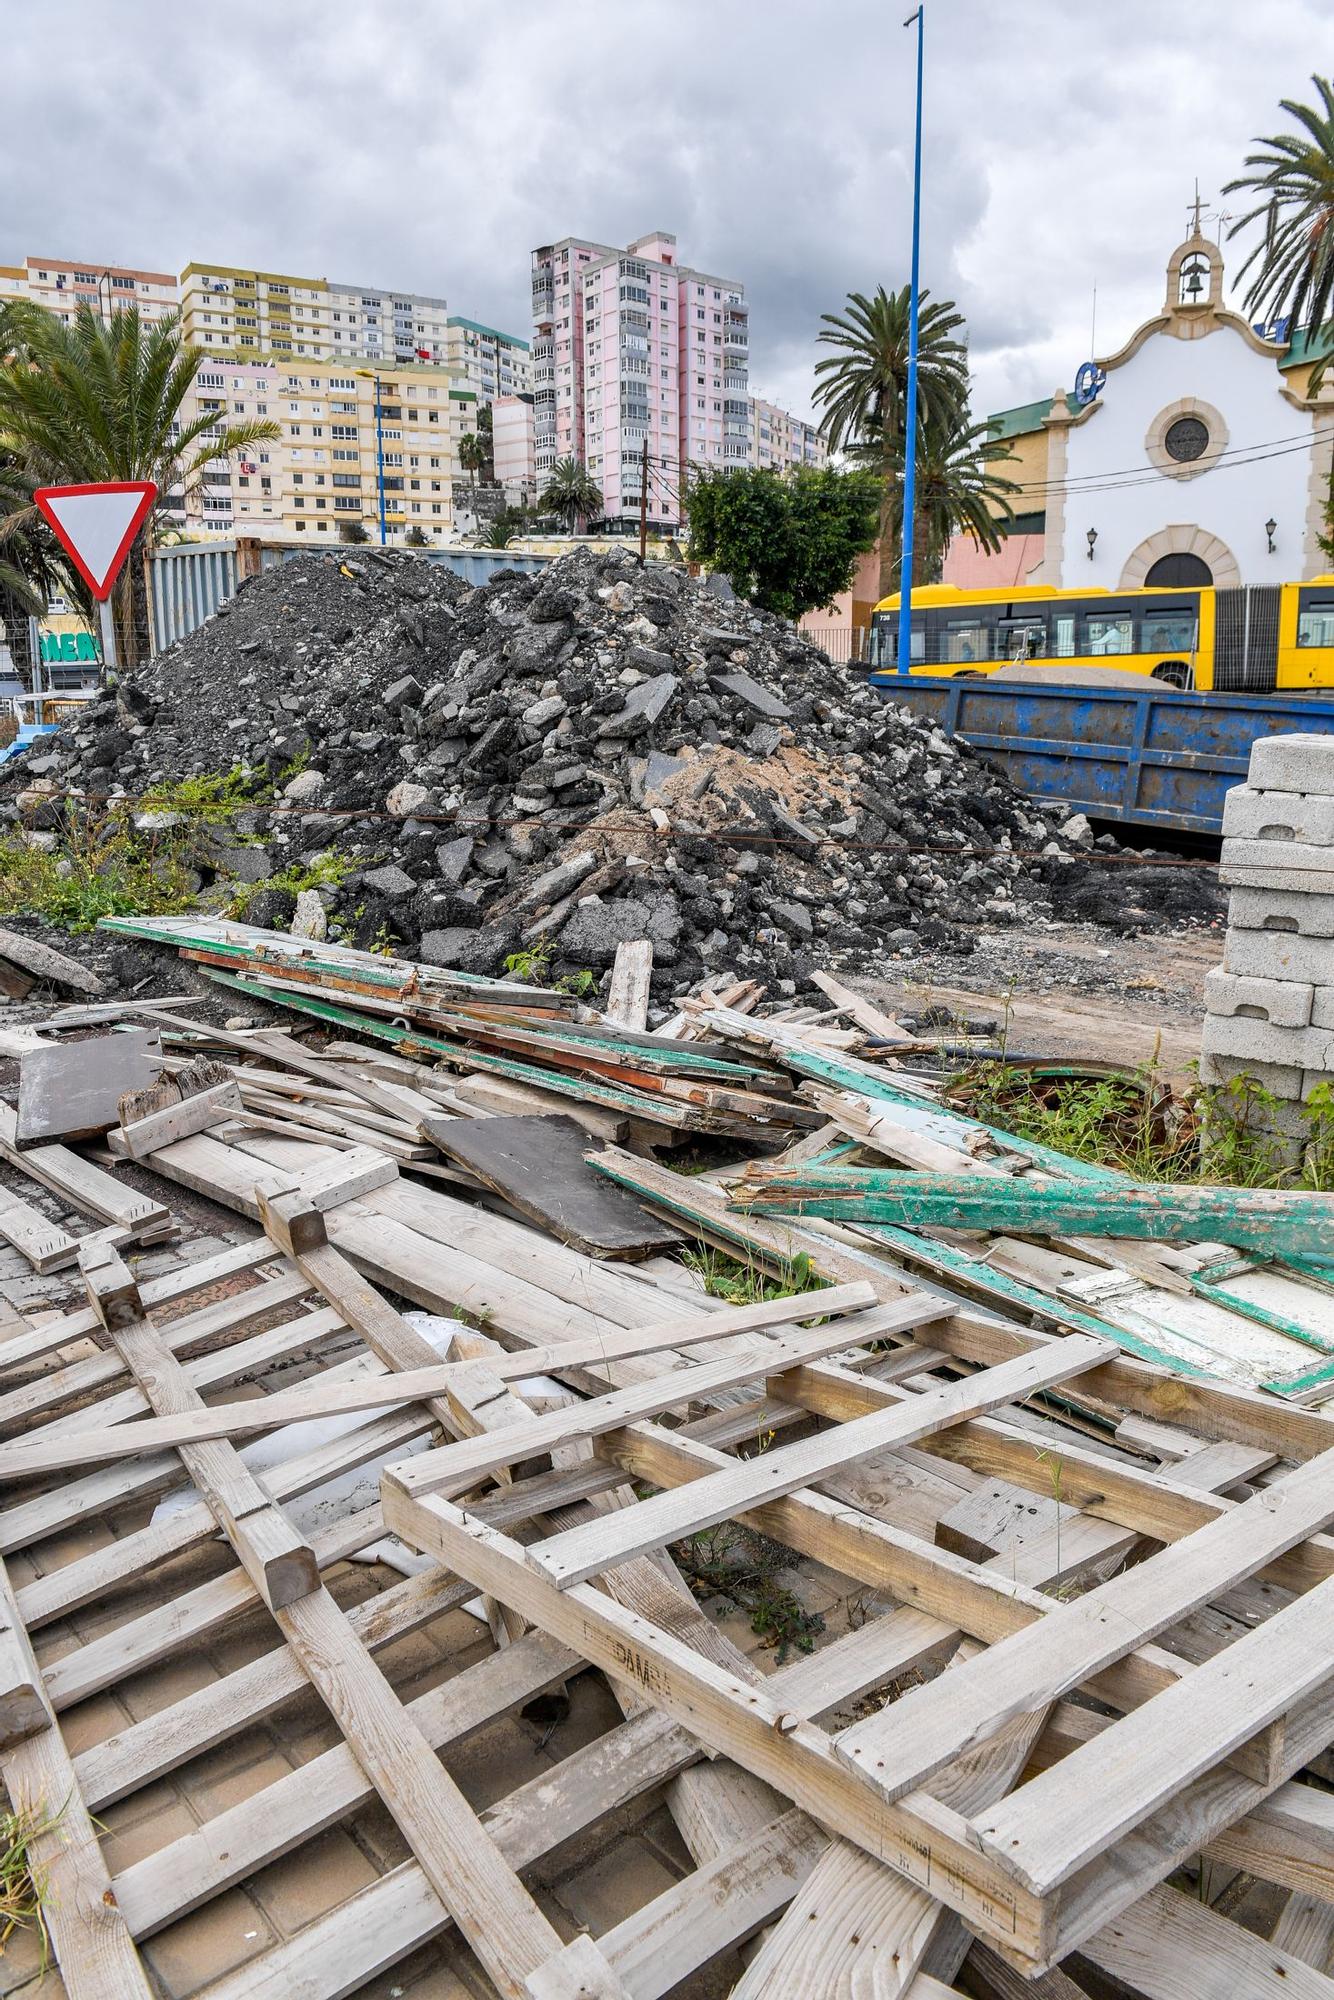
429, 145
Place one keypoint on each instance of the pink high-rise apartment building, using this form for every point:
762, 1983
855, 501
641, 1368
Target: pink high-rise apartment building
640, 369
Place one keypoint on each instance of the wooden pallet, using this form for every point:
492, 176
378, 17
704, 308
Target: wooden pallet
1035, 1867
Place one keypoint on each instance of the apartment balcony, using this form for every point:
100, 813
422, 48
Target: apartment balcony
737, 341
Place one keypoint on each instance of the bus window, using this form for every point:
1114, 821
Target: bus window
1021, 639
1063, 637
964, 639
1167, 631
1105, 636
1315, 625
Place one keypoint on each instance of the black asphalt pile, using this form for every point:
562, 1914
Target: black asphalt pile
558, 763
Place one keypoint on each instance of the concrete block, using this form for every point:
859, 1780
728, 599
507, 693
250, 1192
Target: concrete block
1275, 872
1284, 1003
1310, 1048
1278, 955
1292, 764
1252, 815
1322, 1009
1279, 1079
1282, 910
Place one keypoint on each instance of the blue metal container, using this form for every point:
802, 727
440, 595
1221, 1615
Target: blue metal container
1155, 757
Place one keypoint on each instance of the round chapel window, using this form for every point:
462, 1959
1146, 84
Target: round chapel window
1185, 439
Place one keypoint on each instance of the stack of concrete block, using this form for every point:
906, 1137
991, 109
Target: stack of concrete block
1270, 1006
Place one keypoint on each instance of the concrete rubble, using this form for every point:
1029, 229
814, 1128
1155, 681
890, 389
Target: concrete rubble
557, 764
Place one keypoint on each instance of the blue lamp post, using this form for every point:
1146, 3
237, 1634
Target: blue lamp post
910, 413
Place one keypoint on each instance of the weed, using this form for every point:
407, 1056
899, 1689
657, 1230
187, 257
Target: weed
211, 798
729, 1561
1130, 1122
1237, 1145
325, 871
23, 1883
101, 868
580, 983
748, 1284
530, 967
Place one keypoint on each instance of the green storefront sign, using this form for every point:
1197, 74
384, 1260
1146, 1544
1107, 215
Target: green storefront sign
69, 649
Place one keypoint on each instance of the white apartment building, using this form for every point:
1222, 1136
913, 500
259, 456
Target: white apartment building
348, 440
778, 440
248, 314
494, 364
640, 369
62, 286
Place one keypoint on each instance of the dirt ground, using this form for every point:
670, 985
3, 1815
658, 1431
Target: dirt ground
1066, 991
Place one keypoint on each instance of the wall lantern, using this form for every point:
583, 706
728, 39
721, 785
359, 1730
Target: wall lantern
1093, 540
1270, 525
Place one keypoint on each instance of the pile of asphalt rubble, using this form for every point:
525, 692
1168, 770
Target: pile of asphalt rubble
557, 763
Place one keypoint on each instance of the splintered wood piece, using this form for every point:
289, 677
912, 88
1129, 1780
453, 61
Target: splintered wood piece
539, 1166
863, 1011
72, 1090
667, 1517
46, 1245
41, 963
143, 1135
631, 974
23, 1709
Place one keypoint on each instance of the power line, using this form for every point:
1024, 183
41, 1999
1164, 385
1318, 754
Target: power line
1116, 482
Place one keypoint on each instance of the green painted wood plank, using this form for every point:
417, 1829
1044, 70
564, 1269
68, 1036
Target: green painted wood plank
1273, 1222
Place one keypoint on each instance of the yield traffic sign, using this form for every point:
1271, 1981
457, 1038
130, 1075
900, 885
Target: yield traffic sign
96, 525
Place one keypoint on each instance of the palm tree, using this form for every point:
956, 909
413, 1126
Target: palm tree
33, 567
472, 455
571, 494
864, 390
1293, 180
959, 493
90, 400
498, 535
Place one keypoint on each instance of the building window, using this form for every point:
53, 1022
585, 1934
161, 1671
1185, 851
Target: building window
1186, 439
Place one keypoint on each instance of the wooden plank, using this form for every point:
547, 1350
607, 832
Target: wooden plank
279, 1563
72, 1090
937, 1722
195, 1425
92, 1942
84, 1186
23, 1707
1172, 1947
46, 1245
1305, 1930
667, 1517
863, 1011
577, 1972
1065, 1818
730, 1715
1269, 1221
63, 1328
455, 1467
538, 1165
177, 1121
631, 974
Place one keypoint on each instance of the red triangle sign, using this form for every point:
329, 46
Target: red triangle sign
96, 525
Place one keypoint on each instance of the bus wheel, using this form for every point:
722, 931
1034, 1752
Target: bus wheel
967, 674
1175, 672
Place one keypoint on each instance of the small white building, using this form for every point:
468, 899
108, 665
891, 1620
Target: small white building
1192, 455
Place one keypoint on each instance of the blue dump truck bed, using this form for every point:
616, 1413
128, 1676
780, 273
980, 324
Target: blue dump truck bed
1148, 757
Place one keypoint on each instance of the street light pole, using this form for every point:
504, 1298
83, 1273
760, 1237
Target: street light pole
910, 413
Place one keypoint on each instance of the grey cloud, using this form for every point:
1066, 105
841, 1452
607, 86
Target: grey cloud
431, 146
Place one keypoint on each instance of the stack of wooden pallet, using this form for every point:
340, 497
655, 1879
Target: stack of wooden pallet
1068, 1735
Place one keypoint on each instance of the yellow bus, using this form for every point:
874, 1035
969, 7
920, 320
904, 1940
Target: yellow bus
1252, 640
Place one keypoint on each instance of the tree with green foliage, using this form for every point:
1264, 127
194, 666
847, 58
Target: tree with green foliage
959, 492
92, 400
789, 544
1292, 181
416, 537
572, 494
863, 387
473, 455
353, 531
